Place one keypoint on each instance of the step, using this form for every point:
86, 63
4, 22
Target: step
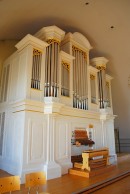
123, 156
94, 172
101, 184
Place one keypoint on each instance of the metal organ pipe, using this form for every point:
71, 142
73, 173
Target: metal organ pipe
84, 78
74, 88
62, 80
86, 84
36, 69
102, 96
57, 74
79, 79
55, 69
102, 82
65, 82
46, 78
51, 68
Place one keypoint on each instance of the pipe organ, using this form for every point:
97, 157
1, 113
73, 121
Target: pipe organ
77, 46
50, 88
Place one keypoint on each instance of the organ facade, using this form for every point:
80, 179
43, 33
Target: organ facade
49, 88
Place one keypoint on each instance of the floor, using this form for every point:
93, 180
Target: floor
72, 184
119, 187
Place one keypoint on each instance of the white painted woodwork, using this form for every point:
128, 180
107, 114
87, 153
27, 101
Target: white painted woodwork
38, 129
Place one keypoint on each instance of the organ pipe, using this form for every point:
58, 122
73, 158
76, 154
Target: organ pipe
102, 83
93, 88
107, 94
51, 69
65, 80
36, 69
79, 78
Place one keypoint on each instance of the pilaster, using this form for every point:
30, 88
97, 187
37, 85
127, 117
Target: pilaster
51, 168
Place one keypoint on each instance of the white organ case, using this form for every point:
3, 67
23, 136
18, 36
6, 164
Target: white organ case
50, 87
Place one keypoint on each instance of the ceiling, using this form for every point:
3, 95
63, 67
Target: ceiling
105, 23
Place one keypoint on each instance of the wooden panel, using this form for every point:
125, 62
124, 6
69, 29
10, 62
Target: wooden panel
14, 79
62, 140
91, 160
35, 179
8, 184
36, 137
22, 76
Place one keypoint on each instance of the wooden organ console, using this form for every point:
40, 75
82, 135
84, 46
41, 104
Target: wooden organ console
95, 162
93, 159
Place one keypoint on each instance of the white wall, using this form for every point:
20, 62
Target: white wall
121, 96
7, 47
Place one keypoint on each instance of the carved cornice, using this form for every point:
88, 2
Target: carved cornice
101, 67
31, 40
36, 52
50, 32
50, 41
74, 48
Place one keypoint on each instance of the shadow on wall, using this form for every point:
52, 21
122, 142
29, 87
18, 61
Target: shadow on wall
7, 47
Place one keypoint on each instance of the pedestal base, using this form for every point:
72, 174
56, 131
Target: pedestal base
65, 166
88, 174
52, 170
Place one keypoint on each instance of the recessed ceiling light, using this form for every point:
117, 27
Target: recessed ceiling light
112, 27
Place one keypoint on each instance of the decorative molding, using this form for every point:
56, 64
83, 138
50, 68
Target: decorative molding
108, 77
37, 52
100, 68
75, 48
81, 39
70, 38
99, 62
92, 77
31, 40
50, 41
66, 65
93, 70
66, 56
107, 84
50, 32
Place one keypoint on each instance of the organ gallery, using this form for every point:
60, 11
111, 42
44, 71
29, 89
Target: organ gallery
50, 88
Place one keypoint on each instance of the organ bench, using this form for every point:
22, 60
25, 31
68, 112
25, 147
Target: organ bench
93, 159
95, 162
